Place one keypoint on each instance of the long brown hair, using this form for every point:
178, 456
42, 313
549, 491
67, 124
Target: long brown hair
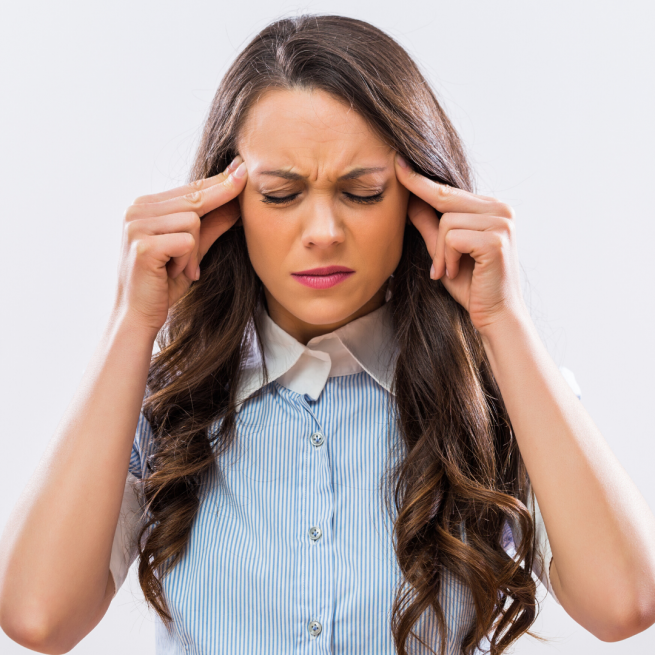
461, 476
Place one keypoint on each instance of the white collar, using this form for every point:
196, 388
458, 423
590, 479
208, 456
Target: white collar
367, 344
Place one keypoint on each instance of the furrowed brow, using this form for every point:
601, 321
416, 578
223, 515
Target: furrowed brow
359, 172
287, 175
352, 175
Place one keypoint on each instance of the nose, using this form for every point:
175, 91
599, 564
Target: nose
322, 227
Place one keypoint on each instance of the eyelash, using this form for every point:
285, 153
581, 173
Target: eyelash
362, 200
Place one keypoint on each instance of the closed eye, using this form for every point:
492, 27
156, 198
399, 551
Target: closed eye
279, 200
364, 200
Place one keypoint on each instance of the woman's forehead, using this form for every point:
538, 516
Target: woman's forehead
308, 133
311, 110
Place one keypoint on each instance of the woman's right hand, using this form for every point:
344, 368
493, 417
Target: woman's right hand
164, 241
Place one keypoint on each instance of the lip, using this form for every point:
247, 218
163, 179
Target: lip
323, 277
325, 270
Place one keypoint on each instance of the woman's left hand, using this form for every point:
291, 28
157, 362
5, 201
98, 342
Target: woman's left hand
473, 246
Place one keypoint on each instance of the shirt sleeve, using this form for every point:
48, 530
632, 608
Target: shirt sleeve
124, 547
570, 378
544, 555
132, 517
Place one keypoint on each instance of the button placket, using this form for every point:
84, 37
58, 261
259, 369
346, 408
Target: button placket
317, 439
317, 537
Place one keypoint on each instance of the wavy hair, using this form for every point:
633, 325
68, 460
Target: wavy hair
461, 479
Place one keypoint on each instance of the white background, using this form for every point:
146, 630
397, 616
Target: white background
104, 101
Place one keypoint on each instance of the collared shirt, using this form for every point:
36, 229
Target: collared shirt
291, 549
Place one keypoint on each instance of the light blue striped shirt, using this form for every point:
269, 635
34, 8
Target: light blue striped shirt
292, 552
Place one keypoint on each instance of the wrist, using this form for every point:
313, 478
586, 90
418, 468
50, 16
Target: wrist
125, 322
512, 344
509, 323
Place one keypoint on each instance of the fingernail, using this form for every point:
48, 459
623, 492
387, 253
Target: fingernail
198, 272
241, 171
401, 161
432, 272
234, 163
447, 273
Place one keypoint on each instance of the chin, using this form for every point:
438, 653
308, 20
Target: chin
324, 311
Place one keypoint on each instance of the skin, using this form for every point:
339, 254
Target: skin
55, 583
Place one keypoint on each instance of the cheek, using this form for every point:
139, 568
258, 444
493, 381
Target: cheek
385, 233
268, 238
380, 240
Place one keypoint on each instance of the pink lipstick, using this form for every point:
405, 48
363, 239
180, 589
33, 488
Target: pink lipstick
323, 277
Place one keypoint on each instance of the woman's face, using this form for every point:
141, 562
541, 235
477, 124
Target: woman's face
321, 193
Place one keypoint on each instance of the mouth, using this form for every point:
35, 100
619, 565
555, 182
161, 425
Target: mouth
323, 277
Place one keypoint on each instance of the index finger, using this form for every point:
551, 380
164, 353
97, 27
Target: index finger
198, 201
446, 198
197, 185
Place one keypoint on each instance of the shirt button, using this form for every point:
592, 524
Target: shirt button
315, 533
317, 439
314, 628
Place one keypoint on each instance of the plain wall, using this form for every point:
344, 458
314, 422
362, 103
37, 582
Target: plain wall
104, 101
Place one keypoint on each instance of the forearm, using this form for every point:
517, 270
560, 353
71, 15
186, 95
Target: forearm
601, 530
54, 554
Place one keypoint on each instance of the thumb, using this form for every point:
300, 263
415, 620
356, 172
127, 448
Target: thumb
425, 219
215, 223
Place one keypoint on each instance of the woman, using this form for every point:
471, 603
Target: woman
338, 443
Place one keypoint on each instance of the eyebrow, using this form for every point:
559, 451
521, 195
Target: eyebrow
352, 175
